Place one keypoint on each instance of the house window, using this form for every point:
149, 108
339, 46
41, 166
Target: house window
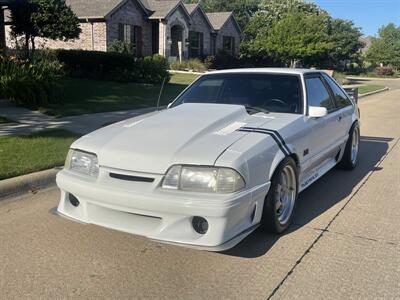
131, 34
196, 44
124, 33
229, 44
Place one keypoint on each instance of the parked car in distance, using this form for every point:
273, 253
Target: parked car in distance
230, 154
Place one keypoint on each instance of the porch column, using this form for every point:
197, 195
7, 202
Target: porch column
2, 30
162, 43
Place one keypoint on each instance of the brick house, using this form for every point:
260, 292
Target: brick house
152, 26
3, 6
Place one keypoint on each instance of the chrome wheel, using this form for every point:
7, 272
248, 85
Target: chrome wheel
285, 194
354, 145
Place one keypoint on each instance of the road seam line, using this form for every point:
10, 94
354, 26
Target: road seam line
326, 228
385, 242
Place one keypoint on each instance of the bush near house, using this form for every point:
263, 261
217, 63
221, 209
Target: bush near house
193, 64
31, 84
384, 71
113, 66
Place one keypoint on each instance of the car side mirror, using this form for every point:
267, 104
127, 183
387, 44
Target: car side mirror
317, 112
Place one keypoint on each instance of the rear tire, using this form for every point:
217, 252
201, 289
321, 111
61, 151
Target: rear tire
281, 199
350, 155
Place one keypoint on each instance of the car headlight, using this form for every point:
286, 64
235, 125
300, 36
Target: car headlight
203, 179
82, 162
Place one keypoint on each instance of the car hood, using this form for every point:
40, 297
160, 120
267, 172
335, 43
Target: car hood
187, 134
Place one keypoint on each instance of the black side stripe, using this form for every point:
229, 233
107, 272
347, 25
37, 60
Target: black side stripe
274, 134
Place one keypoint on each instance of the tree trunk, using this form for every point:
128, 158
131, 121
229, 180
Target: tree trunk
33, 48
27, 39
293, 63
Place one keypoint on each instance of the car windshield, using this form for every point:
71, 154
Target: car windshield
257, 92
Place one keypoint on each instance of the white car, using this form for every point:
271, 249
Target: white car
230, 154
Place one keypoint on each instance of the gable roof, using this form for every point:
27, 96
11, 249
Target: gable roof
95, 8
192, 8
219, 19
162, 9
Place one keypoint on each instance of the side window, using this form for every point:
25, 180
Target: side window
341, 100
317, 94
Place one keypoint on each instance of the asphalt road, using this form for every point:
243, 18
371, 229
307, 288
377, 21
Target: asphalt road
345, 242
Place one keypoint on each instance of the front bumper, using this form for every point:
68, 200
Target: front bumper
147, 210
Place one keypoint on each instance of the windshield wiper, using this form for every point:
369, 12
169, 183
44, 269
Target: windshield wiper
255, 109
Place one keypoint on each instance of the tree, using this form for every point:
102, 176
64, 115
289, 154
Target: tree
242, 9
269, 13
297, 37
21, 21
51, 19
385, 48
345, 37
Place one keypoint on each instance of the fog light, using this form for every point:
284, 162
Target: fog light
200, 225
73, 200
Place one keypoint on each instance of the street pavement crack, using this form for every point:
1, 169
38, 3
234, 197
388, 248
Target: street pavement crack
326, 228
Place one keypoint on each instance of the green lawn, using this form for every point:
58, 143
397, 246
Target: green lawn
31, 153
4, 120
369, 88
81, 96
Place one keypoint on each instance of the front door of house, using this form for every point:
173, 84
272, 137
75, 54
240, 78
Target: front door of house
176, 36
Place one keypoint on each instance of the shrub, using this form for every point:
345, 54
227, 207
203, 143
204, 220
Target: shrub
384, 71
30, 84
113, 66
209, 62
121, 47
152, 69
193, 64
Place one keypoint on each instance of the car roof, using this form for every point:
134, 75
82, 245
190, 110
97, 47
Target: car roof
266, 70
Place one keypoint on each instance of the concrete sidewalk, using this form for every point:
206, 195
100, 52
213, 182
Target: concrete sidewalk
27, 121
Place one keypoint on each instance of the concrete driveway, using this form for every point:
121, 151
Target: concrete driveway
345, 242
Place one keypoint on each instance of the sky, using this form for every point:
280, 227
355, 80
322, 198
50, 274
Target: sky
370, 15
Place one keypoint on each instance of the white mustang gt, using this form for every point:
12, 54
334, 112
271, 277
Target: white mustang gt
231, 153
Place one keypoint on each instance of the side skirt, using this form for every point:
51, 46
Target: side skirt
317, 173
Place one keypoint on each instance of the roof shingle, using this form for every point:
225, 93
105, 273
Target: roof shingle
161, 8
191, 7
92, 8
218, 19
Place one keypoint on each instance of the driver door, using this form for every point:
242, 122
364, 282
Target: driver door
324, 133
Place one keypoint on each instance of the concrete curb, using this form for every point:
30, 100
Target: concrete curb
186, 72
371, 78
373, 93
27, 183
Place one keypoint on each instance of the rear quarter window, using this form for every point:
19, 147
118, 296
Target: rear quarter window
340, 98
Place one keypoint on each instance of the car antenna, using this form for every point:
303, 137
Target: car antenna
159, 96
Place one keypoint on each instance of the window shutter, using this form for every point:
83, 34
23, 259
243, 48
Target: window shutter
139, 41
201, 46
132, 35
233, 46
121, 32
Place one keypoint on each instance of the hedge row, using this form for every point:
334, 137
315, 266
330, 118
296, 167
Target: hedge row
113, 66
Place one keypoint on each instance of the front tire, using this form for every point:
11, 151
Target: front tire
281, 199
350, 155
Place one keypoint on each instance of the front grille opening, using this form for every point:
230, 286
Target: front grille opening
131, 178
